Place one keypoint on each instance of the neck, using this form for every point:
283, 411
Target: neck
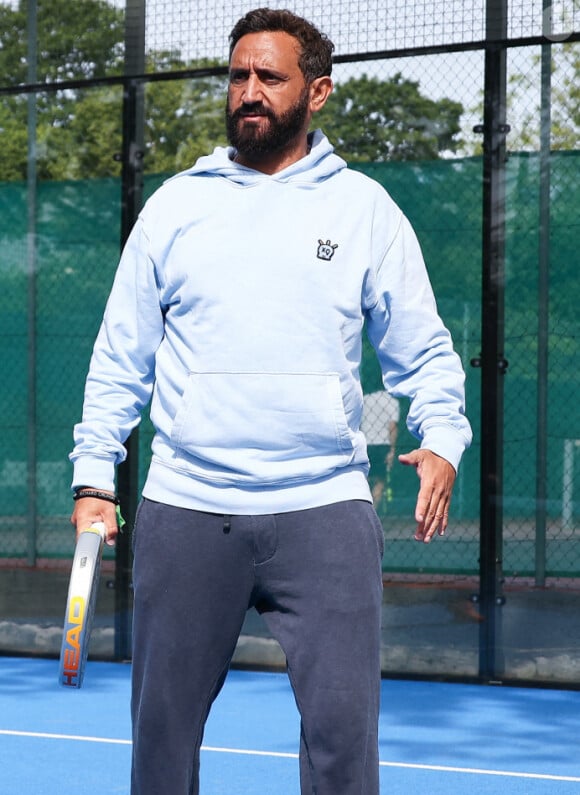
276, 161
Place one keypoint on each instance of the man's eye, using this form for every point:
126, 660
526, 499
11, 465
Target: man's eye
237, 79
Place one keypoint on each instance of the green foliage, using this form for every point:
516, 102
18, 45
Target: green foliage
184, 119
381, 120
83, 136
77, 132
80, 41
13, 45
13, 139
524, 101
566, 98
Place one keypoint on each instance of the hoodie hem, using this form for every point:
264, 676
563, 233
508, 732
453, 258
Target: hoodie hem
167, 485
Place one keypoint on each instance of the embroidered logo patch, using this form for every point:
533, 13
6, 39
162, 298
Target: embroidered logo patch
326, 250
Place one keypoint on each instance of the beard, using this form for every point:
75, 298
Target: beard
254, 142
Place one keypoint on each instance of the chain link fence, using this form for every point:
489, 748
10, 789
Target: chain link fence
407, 110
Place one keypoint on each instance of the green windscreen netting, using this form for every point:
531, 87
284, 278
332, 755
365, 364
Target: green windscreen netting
56, 267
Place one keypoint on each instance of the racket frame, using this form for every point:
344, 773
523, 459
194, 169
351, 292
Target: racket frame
80, 605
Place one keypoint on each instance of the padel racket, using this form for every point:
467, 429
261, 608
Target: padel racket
80, 605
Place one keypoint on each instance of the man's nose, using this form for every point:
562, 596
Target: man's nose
252, 89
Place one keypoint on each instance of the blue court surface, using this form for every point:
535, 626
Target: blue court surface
434, 737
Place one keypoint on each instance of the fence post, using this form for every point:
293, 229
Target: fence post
543, 315
493, 363
31, 190
131, 199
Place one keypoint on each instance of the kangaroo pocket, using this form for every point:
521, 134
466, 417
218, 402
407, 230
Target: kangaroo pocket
262, 427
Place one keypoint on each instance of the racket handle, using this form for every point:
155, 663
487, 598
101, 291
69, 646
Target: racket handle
82, 595
98, 528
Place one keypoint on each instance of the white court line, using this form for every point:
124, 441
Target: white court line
46, 735
480, 772
280, 755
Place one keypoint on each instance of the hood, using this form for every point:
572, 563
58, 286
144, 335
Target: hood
319, 164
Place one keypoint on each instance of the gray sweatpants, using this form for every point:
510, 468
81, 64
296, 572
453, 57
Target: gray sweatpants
315, 576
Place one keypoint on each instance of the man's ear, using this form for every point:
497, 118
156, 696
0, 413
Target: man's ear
320, 90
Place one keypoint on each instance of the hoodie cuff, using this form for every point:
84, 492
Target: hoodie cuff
445, 442
98, 473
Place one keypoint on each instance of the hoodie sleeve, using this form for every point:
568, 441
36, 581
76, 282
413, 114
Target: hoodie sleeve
415, 350
121, 373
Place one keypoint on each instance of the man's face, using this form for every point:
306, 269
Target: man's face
268, 106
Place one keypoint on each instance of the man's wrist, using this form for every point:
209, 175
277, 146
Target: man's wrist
82, 492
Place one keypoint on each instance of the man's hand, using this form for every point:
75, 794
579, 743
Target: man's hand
89, 510
437, 477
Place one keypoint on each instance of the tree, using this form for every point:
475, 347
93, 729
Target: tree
524, 102
184, 119
380, 120
13, 139
83, 44
79, 131
89, 45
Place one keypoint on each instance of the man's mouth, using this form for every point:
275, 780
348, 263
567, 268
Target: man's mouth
252, 113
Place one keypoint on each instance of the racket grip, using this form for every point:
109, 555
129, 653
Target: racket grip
98, 528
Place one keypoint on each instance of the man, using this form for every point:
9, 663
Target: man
238, 305
380, 425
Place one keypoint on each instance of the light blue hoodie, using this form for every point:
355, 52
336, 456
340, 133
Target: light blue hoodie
238, 306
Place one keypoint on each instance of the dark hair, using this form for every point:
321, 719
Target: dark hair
315, 58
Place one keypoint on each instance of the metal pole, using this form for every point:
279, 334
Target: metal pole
32, 447
131, 199
568, 483
543, 314
493, 363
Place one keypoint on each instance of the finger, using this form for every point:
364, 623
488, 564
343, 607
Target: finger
437, 520
423, 509
432, 515
409, 459
98, 511
109, 519
112, 533
422, 515
435, 526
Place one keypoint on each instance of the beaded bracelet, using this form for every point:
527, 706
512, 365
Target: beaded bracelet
99, 495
